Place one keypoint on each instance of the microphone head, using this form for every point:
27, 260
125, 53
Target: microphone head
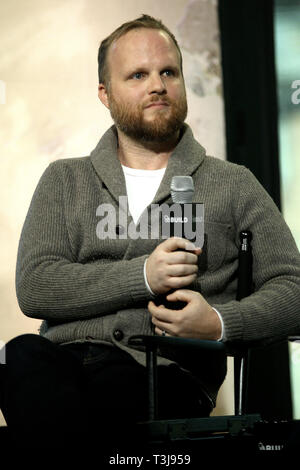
182, 189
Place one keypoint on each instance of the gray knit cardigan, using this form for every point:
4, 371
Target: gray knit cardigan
86, 287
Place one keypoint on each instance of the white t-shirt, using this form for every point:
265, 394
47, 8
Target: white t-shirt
141, 186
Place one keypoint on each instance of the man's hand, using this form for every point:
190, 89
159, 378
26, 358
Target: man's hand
196, 320
168, 269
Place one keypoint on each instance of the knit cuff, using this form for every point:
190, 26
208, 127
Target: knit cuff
137, 281
146, 281
232, 320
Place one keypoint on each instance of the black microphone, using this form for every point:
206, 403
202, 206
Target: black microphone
183, 218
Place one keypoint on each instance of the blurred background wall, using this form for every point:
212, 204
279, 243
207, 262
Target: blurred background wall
287, 61
49, 107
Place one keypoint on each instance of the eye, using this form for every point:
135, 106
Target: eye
137, 75
168, 73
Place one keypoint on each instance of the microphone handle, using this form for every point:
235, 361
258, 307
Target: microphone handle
187, 223
161, 300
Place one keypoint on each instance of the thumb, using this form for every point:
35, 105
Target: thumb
178, 243
184, 295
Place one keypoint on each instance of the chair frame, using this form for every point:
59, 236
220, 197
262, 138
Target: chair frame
239, 352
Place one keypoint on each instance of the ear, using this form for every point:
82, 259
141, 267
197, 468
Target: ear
102, 94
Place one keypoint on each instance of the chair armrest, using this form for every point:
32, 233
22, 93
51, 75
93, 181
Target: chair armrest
188, 352
186, 344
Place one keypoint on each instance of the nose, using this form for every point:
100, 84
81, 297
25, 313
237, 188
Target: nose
156, 84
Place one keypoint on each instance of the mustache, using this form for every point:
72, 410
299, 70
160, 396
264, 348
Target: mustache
156, 98
164, 99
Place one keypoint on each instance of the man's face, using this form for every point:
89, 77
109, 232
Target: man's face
146, 94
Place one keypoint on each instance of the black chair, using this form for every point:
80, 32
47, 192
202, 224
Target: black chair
163, 431
167, 430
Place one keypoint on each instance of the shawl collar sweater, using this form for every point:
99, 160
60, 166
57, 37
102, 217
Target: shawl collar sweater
83, 287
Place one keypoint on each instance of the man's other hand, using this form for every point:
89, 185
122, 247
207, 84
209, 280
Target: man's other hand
196, 320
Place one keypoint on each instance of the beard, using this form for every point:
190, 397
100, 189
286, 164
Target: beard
130, 119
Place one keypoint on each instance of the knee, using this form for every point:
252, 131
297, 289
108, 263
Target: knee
25, 340
24, 347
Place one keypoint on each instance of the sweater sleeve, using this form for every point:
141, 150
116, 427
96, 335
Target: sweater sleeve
273, 310
50, 283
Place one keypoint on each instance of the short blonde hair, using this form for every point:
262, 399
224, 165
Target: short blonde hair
144, 21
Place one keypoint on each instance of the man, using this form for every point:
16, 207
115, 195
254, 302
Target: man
93, 292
